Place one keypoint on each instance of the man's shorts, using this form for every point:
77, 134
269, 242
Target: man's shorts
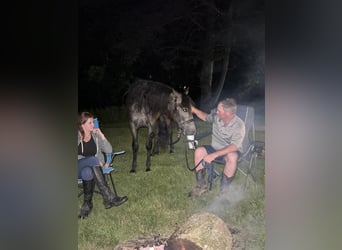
211, 150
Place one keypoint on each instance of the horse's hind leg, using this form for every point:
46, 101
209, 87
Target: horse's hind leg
135, 147
169, 132
155, 149
155, 140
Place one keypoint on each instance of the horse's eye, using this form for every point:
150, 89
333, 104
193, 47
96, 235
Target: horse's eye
185, 109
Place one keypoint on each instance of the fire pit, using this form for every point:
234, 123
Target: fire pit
148, 243
200, 231
157, 243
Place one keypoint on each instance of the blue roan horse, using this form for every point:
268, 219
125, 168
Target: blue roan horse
147, 101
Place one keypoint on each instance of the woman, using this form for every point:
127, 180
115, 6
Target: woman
92, 144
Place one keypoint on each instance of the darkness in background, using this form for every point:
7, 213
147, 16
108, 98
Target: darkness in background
159, 40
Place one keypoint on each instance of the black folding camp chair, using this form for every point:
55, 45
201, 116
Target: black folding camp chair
250, 148
107, 172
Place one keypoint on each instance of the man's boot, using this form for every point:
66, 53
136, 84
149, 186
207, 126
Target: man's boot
109, 199
225, 182
201, 186
88, 190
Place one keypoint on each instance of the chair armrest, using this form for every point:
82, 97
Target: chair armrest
202, 135
119, 152
219, 161
258, 146
107, 170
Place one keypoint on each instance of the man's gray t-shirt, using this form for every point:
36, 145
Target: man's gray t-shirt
224, 135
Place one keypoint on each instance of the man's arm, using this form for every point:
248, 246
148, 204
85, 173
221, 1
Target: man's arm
200, 114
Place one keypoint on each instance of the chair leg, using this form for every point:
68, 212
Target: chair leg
251, 167
111, 179
212, 174
254, 169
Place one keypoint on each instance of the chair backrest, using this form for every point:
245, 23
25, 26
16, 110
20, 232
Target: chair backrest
246, 113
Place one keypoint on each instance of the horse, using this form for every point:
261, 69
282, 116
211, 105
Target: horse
150, 102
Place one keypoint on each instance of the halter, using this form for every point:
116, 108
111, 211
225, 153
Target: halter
180, 130
186, 122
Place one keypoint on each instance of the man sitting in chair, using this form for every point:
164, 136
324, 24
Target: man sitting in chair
228, 132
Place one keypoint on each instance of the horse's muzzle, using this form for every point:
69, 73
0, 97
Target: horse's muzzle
188, 127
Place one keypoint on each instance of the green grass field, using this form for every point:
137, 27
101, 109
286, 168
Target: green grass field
158, 202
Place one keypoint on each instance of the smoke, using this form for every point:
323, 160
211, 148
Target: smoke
227, 201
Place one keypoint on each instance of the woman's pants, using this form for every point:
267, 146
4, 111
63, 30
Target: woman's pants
85, 166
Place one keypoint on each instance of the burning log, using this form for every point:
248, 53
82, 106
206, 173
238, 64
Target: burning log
150, 243
181, 244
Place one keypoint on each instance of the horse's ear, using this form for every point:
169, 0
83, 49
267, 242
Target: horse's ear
186, 89
173, 98
175, 102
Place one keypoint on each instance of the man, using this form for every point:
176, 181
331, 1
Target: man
228, 132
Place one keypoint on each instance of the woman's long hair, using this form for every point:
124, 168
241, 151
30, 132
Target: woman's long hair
83, 118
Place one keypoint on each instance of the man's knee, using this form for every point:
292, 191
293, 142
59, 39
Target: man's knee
232, 157
231, 164
200, 151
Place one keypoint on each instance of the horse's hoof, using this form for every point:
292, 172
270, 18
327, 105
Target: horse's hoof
132, 171
148, 169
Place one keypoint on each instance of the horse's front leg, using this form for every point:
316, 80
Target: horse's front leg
135, 147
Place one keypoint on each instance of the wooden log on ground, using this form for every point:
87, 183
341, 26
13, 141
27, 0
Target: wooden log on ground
204, 231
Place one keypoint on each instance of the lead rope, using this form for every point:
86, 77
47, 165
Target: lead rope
179, 134
212, 173
186, 156
200, 136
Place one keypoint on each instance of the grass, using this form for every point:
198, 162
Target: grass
158, 202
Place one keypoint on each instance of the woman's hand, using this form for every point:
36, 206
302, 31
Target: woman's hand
99, 132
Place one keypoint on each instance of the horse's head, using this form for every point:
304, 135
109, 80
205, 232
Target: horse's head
179, 107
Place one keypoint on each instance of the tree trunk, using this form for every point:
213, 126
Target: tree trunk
210, 55
224, 70
206, 82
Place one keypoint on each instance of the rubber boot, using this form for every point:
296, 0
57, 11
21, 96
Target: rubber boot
88, 190
225, 182
109, 199
201, 186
